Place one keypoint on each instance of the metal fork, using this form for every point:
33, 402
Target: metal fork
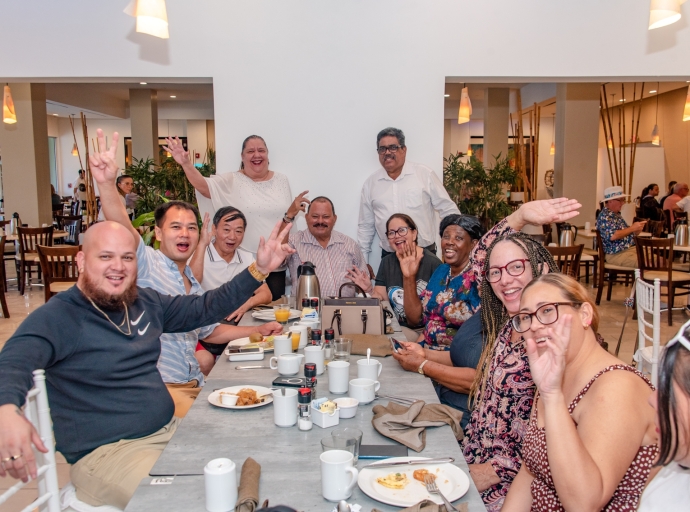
431, 486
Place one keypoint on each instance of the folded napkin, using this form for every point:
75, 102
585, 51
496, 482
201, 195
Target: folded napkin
379, 344
428, 506
248, 493
407, 425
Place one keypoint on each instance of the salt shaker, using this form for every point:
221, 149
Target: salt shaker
329, 335
304, 404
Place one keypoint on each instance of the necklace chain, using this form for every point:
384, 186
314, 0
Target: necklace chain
118, 327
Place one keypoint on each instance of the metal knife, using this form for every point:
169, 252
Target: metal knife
252, 367
416, 462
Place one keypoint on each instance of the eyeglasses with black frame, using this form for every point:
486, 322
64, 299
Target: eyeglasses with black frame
400, 231
547, 314
514, 268
392, 148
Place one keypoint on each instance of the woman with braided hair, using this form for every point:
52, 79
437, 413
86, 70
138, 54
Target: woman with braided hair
505, 261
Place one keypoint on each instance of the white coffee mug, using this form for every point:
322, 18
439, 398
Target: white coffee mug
282, 344
314, 354
303, 333
369, 369
285, 407
312, 324
286, 364
364, 390
338, 475
338, 377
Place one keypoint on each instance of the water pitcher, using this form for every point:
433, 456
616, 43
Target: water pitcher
307, 283
567, 236
681, 237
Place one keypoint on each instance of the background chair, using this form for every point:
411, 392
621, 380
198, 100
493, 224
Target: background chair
538, 237
59, 267
655, 259
73, 228
568, 259
27, 258
607, 269
648, 298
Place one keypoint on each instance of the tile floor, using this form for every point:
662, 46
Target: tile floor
611, 320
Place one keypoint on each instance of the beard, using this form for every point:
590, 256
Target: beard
107, 301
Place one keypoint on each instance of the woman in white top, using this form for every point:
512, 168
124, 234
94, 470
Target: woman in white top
670, 488
261, 194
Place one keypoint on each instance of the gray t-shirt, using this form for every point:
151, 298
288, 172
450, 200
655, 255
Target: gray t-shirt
390, 276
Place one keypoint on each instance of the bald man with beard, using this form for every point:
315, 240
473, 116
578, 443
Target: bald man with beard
99, 345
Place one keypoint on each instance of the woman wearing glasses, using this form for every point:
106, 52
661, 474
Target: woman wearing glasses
591, 440
670, 488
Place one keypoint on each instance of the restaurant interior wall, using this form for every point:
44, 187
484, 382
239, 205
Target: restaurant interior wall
319, 79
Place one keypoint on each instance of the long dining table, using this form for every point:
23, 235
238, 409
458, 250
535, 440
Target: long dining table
289, 458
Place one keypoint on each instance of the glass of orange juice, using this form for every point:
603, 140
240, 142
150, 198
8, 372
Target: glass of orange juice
282, 313
295, 339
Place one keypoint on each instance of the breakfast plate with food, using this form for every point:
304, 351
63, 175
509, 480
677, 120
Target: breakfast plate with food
255, 339
404, 486
269, 315
248, 397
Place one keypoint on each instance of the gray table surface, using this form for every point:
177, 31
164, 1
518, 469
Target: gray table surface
289, 458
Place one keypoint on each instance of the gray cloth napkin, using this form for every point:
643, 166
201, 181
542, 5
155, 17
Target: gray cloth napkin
407, 425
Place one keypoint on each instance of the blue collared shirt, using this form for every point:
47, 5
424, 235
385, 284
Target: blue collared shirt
176, 363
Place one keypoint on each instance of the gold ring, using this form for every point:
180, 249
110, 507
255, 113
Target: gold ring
6, 459
15, 457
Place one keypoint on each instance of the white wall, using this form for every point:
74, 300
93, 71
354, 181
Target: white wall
319, 79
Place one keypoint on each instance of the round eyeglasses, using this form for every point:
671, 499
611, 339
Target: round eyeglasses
514, 268
399, 232
546, 314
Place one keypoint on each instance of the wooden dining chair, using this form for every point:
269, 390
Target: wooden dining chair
655, 259
613, 272
59, 265
538, 237
3, 279
28, 239
567, 259
548, 233
73, 229
9, 250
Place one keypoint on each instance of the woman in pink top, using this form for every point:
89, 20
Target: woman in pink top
591, 439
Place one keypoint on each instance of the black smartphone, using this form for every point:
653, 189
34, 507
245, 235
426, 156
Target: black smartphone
396, 345
382, 451
291, 382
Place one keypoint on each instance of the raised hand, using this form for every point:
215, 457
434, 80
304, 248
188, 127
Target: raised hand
177, 151
272, 252
547, 360
409, 259
205, 234
299, 204
103, 164
544, 212
360, 278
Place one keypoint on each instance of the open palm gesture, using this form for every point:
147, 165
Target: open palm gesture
177, 151
272, 252
547, 367
103, 165
409, 259
549, 210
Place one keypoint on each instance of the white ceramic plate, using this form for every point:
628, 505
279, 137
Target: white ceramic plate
241, 342
214, 397
269, 316
450, 479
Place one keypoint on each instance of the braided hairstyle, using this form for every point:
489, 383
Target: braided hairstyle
494, 313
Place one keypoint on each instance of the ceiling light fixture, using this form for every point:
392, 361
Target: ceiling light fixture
465, 110
143, 83
151, 15
652, 92
8, 114
446, 95
55, 115
173, 96
75, 150
686, 111
664, 12
469, 150
655, 131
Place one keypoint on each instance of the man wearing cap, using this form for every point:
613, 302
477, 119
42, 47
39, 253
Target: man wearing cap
617, 237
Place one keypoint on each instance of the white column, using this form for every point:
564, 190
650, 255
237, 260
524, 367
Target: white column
496, 121
143, 113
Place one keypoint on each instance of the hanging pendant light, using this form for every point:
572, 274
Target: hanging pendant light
8, 114
655, 131
152, 18
552, 149
75, 150
686, 112
469, 150
465, 110
609, 143
664, 12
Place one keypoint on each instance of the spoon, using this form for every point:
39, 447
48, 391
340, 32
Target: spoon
368, 355
343, 506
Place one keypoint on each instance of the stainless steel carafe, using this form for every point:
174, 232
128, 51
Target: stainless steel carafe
681, 237
567, 236
307, 283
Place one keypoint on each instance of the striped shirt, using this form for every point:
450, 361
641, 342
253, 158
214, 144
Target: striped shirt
176, 363
332, 263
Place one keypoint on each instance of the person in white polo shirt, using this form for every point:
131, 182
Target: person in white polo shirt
217, 259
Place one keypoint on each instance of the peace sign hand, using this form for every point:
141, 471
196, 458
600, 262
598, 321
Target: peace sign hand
103, 164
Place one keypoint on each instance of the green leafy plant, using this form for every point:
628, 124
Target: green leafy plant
479, 190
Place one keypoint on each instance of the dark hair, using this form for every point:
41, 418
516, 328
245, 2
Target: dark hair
674, 366
671, 184
244, 144
228, 210
119, 180
493, 311
469, 223
405, 218
391, 132
162, 210
81, 171
321, 199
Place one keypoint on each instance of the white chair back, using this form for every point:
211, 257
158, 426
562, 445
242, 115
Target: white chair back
37, 412
648, 302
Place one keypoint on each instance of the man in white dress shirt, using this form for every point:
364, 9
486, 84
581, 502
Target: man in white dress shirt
400, 187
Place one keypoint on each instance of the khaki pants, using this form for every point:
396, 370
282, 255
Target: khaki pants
183, 395
110, 474
626, 258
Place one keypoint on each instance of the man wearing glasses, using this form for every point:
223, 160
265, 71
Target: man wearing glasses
617, 237
400, 187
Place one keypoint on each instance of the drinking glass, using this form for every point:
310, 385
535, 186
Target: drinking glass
349, 444
341, 349
347, 435
282, 313
295, 335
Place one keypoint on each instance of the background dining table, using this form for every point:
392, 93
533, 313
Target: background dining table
289, 458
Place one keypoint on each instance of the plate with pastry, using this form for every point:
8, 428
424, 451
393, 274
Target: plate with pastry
254, 339
248, 397
267, 315
404, 486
